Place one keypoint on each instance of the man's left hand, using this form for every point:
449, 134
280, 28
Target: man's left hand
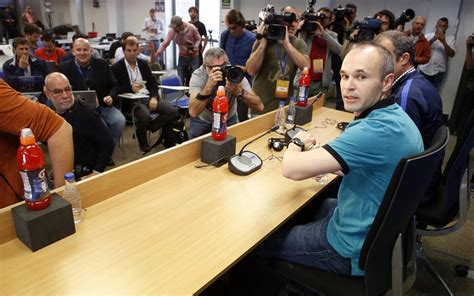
153, 104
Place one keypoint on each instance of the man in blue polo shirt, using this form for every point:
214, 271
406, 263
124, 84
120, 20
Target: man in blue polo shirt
366, 153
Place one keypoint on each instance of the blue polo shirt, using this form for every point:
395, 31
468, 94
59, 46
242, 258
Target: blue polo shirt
368, 151
238, 49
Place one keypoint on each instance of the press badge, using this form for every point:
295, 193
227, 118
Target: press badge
281, 90
318, 66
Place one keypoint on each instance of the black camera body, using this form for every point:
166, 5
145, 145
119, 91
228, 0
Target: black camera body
340, 13
310, 17
232, 73
406, 16
275, 23
368, 28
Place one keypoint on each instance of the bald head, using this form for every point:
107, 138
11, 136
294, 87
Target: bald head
82, 51
418, 25
58, 90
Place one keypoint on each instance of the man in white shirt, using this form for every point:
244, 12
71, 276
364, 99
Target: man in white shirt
154, 28
442, 47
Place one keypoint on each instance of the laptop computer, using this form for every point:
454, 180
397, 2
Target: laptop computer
25, 84
89, 97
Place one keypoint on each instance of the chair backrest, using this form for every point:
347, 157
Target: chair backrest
444, 207
169, 94
409, 181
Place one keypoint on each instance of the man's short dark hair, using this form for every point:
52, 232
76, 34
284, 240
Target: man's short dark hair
401, 42
48, 36
193, 8
389, 15
351, 5
32, 29
235, 17
20, 41
444, 19
129, 42
125, 35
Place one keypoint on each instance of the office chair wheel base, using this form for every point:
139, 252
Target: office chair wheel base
461, 270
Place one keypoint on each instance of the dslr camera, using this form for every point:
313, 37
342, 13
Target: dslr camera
406, 16
340, 13
232, 73
310, 17
275, 23
368, 28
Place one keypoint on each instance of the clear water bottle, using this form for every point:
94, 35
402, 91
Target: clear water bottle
71, 194
290, 119
280, 117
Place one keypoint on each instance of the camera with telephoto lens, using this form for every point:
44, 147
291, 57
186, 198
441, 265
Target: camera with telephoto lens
310, 17
232, 73
368, 28
340, 13
406, 16
275, 23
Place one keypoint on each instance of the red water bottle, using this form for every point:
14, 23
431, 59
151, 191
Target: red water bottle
304, 84
31, 165
219, 108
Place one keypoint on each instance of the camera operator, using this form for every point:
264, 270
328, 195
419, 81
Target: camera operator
273, 63
387, 18
323, 45
203, 85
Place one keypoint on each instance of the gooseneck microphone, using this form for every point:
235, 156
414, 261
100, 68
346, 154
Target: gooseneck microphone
245, 162
289, 134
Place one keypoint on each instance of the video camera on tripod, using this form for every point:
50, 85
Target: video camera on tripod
275, 23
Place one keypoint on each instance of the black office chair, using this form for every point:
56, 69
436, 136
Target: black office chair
448, 210
388, 253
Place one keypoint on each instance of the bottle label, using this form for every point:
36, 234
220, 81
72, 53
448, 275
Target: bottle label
303, 93
35, 184
219, 123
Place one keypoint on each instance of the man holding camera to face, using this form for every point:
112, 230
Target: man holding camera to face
274, 61
323, 44
216, 71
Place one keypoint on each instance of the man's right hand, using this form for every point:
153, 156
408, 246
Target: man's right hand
215, 75
23, 62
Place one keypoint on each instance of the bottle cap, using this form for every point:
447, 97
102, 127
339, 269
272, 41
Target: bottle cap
305, 70
221, 90
281, 103
69, 177
27, 137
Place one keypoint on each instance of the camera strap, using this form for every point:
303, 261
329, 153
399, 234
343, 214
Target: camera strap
283, 61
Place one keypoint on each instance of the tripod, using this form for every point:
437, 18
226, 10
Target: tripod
211, 41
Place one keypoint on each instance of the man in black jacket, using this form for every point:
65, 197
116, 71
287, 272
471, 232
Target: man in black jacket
88, 73
93, 144
134, 76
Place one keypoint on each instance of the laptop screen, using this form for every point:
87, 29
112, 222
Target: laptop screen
27, 83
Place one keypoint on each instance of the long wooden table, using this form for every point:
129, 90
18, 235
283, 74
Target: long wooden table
161, 226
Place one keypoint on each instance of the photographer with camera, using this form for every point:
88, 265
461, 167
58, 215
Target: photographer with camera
442, 48
387, 18
216, 71
274, 61
323, 45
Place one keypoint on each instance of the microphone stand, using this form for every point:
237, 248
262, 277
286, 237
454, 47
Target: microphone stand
246, 162
289, 135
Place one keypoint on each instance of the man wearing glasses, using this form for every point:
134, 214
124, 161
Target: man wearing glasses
203, 86
93, 144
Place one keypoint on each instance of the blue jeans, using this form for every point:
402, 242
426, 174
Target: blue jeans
307, 244
435, 79
114, 120
198, 127
186, 67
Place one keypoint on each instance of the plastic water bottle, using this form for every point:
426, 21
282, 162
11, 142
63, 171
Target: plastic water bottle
280, 117
71, 194
219, 108
304, 84
31, 165
290, 119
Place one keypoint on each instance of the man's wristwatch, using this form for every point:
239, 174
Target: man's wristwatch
298, 142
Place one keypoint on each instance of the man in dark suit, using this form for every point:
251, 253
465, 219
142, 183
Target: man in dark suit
88, 73
134, 76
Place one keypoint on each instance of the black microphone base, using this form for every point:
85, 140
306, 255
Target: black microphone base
244, 164
292, 132
212, 151
304, 114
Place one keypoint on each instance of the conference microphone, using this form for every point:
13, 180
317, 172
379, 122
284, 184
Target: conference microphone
245, 162
289, 134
